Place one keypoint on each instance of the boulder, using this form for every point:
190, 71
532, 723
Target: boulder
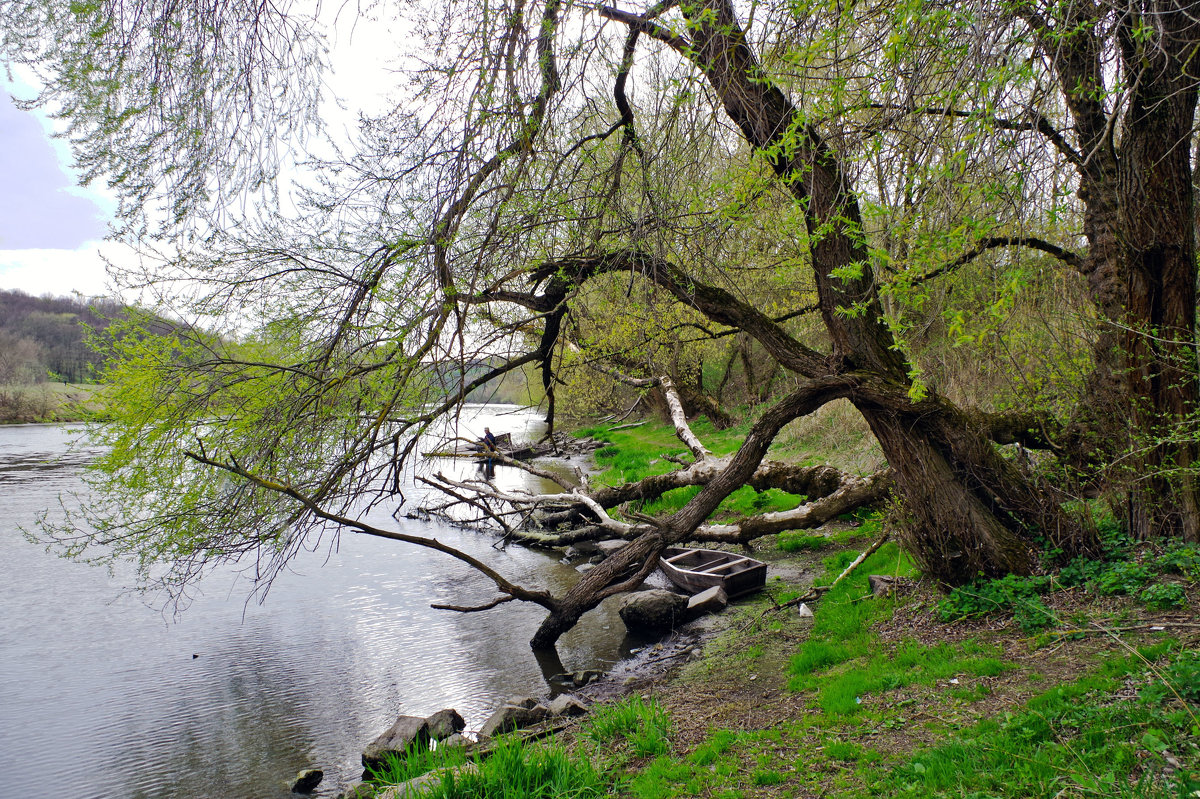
407, 733
710, 600
511, 717
413, 789
584, 549
610, 546
423, 785
445, 723
307, 781
454, 740
576, 679
586, 677
566, 705
881, 584
656, 610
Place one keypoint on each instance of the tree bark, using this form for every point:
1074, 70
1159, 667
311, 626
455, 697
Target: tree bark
1139, 221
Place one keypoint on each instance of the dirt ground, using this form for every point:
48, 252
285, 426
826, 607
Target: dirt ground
701, 674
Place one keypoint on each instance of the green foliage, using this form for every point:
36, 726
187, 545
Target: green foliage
1179, 678
1163, 596
643, 725
1126, 571
1181, 558
1010, 594
1076, 739
1124, 577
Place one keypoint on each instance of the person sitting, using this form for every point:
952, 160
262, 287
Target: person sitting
489, 440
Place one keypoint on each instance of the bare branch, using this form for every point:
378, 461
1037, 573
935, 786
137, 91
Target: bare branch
542, 598
1066, 256
475, 608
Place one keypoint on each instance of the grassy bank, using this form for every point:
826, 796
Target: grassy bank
50, 402
1081, 683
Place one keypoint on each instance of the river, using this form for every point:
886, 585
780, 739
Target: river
104, 696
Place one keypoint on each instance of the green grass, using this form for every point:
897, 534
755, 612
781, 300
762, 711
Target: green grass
511, 771
643, 725
1079, 739
801, 542
842, 662
635, 453
415, 762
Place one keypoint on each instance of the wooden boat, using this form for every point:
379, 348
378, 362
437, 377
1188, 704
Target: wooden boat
695, 570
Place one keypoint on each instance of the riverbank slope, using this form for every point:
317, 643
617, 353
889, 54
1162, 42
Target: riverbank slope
1080, 682
50, 402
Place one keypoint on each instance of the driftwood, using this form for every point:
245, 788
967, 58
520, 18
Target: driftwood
584, 512
605, 513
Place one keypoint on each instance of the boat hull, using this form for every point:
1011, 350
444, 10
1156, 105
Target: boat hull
695, 570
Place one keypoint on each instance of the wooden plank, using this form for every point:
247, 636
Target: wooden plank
713, 568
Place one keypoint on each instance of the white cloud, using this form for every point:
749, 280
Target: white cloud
59, 272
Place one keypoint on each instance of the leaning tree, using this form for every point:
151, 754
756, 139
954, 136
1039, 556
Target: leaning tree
844, 158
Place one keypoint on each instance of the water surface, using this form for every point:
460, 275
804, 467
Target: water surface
102, 696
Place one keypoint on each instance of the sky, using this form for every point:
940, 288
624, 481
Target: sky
51, 230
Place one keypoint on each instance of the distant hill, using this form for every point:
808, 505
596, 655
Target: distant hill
44, 338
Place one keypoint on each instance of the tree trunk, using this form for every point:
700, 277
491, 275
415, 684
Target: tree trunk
1141, 266
949, 477
954, 533
1156, 215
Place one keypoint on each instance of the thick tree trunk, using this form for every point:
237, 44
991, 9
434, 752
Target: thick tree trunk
1141, 266
948, 475
1156, 215
954, 533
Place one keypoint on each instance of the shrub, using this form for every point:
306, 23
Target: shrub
1163, 596
1180, 558
1011, 594
1124, 577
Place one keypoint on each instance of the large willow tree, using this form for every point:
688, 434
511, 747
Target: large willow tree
761, 165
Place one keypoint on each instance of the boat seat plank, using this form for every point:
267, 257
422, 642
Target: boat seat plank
674, 558
711, 568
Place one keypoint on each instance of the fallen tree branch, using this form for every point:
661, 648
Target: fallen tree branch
474, 608
868, 552
855, 492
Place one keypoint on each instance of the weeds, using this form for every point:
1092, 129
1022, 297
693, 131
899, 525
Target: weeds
1078, 739
643, 725
1124, 572
512, 770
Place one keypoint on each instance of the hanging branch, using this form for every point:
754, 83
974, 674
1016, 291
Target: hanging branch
543, 598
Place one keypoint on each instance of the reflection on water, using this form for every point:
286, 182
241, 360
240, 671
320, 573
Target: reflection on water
101, 696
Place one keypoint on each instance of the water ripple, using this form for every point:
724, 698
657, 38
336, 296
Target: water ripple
231, 699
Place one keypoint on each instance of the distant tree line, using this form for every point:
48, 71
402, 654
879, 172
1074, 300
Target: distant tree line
45, 338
